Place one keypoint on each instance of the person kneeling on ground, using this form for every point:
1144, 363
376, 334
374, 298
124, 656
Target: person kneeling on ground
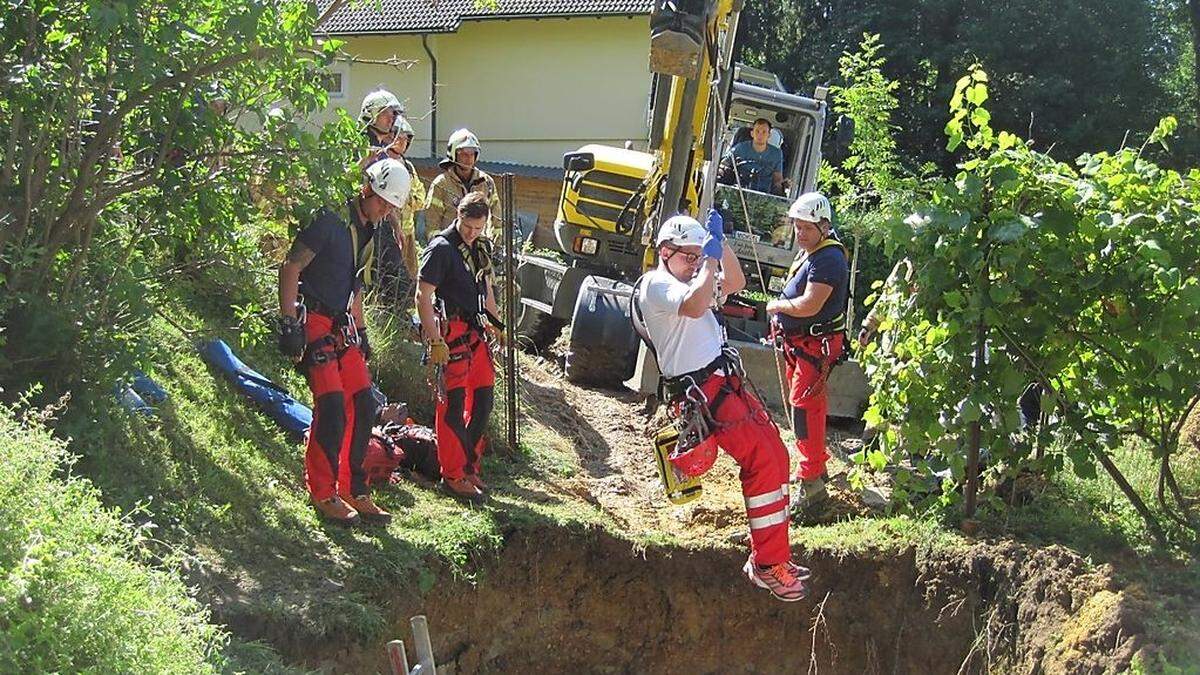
321, 328
456, 273
675, 307
399, 443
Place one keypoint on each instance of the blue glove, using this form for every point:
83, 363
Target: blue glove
716, 225
713, 247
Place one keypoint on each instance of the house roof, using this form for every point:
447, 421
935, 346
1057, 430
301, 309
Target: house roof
497, 169
445, 16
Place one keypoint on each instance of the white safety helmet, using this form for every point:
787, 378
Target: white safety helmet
404, 127
376, 102
462, 139
812, 207
389, 179
681, 230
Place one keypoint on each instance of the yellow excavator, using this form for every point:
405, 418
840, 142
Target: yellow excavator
613, 200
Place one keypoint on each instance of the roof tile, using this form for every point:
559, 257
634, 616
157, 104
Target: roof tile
444, 16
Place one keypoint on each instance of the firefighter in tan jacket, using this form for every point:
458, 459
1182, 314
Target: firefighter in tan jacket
389, 134
459, 177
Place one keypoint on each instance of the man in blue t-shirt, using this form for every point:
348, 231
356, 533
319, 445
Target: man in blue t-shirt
321, 328
456, 272
811, 316
759, 164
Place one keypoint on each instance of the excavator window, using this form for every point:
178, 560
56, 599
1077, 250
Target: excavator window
741, 133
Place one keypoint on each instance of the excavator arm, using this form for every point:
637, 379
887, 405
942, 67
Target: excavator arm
691, 50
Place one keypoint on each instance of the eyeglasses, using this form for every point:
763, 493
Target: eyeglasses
689, 258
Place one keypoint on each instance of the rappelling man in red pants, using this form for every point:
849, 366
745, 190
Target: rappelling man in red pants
810, 329
714, 405
457, 306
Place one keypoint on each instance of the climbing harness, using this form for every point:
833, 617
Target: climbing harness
342, 336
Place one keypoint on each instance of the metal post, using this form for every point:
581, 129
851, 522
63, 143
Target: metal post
397, 658
510, 311
422, 645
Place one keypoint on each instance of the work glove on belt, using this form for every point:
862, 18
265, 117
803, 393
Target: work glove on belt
498, 335
439, 353
291, 337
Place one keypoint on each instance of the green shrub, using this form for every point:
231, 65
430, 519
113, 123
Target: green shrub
1083, 279
77, 592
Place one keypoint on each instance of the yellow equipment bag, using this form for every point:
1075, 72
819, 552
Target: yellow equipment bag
680, 489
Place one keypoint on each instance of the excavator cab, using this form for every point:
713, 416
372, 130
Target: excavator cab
756, 221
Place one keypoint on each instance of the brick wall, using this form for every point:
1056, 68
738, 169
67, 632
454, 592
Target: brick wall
534, 195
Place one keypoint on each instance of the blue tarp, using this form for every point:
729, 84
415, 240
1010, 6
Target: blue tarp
270, 398
140, 395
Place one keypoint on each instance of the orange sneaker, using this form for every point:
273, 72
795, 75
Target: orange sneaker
367, 510
799, 571
778, 579
336, 511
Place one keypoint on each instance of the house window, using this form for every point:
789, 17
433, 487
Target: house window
335, 83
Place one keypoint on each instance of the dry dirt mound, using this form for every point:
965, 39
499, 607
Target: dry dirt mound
1189, 434
612, 432
560, 599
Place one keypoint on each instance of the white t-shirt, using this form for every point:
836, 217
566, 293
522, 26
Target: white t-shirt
683, 344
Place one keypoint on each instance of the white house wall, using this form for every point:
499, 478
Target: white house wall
410, 84
531, 89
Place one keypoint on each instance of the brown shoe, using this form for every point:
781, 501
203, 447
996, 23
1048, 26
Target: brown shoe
475, 480
464, 490
367, 510
336, 511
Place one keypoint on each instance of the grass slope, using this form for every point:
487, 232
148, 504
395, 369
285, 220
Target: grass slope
224, 488
79, 590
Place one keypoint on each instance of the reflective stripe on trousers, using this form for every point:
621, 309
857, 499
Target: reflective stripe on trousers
746, 432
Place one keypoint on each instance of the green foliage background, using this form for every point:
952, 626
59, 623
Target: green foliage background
79, 589
1084, 279
1072, 76
135, 149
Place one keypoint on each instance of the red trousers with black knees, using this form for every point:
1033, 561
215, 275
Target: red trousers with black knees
746, 432
808, 399
342, 417
462, 416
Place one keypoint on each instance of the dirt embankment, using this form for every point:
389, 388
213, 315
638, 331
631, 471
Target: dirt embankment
563, 601
611, 432
571, 600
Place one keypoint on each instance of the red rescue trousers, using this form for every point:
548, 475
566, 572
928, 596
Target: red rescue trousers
342, 412
462, 416
808, 360
746, 432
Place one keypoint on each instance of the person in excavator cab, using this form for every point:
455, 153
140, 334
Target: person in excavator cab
758, 163
710, 399
809, 328
321, 328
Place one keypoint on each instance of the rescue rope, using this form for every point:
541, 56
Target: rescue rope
762, 279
